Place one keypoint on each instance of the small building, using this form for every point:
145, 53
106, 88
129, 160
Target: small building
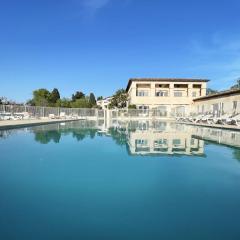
104, 103
225, 102
165, 94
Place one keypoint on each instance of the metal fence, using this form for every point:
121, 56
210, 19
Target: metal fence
136, 113
27, 112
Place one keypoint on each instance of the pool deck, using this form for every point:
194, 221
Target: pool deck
219, 126
10, 124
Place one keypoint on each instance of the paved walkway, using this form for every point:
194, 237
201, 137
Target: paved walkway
7, 124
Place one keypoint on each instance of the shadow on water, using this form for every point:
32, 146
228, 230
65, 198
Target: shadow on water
236, 154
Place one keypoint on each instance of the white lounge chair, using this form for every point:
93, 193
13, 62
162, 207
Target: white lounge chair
223, 119
234, 120
62, 115
51, 116
179, 119
198, 118
207, 118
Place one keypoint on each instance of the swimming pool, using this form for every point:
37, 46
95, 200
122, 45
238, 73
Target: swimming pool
129, 180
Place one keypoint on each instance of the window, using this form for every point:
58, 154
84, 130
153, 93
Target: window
216, 110
192, 141
141, 142
176, 141
222, 108
178, 94
162, 93
141, 145
142, 93
194, 94
161, 142
143, 107
160, 111
234, 107
162, 85
180, 111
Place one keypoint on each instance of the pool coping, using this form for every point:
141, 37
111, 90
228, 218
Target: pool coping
12, 124
219, 126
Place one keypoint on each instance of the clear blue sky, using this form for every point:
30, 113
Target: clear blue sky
97, 45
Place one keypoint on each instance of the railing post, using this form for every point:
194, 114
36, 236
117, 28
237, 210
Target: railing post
43, 112
96, 113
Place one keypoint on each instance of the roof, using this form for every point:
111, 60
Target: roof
219, 94
164, 80
105, 98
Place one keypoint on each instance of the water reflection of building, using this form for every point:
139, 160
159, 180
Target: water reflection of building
154, 141
220, 136
140, 137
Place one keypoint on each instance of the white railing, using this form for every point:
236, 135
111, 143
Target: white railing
28, 112
15, 112
136, 113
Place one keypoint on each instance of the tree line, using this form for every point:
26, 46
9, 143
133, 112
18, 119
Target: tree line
45, 98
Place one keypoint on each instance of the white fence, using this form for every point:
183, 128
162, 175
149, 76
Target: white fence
44, 112
136, 113
27, 112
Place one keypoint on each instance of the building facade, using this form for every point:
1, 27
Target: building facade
104, 103
165, 94
226, 102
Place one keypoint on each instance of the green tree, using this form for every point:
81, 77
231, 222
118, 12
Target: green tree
100, 98
211, 91
54, 96
41, 97
77, 95
81, 103
30, 102
237, 85
3, 100
133, 106
119, 136
119, 99
64, 102
44, 137
92, 100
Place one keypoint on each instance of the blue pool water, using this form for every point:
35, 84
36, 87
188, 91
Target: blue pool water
130, 181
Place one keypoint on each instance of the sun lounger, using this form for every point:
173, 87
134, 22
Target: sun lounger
51, 116
198, 118
234, 120
62, 115
223, 119
207, 118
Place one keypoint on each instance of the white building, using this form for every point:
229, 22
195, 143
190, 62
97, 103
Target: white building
104, 103
165, 94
